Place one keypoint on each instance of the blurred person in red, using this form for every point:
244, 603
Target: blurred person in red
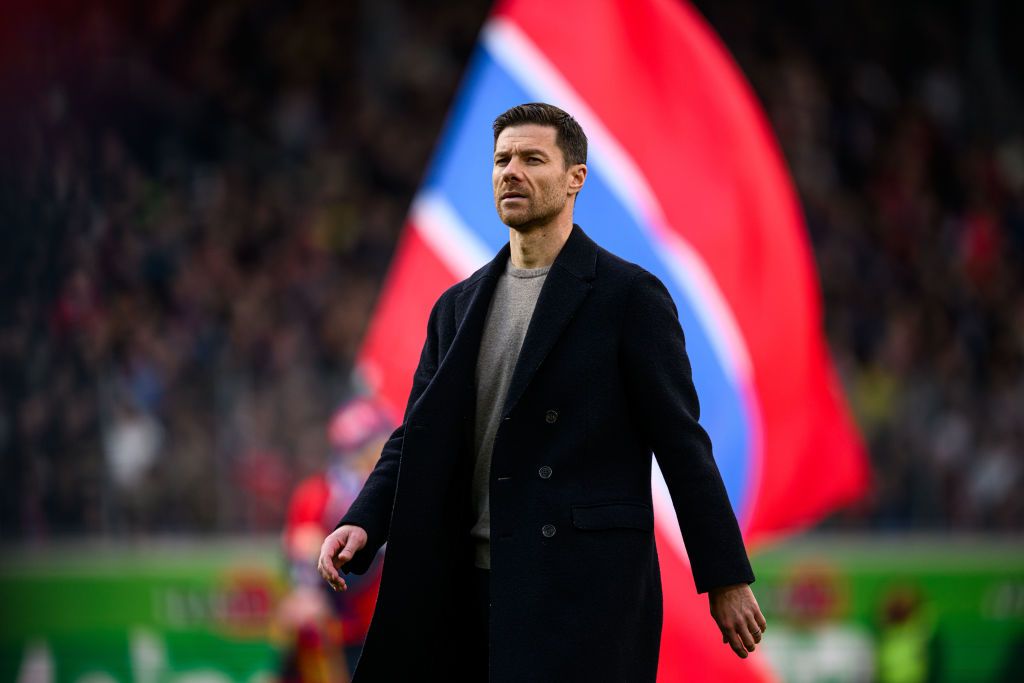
327, 628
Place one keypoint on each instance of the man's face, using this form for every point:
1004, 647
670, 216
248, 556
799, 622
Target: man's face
531, 182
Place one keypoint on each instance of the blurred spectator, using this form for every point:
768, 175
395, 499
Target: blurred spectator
325, 623
908, 647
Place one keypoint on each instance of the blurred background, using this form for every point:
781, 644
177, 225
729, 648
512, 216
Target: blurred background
199, 203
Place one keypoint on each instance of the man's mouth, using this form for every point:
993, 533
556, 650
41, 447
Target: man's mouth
513, 195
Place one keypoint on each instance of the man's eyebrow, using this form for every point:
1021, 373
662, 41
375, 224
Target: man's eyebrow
527, 151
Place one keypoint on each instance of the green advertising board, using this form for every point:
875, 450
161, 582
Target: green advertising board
839, 609
899, 610
153, 614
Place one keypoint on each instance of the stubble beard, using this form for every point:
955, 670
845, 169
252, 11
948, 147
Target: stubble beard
526, 221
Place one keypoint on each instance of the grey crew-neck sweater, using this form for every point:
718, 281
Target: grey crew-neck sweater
508, 318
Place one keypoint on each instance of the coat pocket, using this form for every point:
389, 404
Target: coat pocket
613, 515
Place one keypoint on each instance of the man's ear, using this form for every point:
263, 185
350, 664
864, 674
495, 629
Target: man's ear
577, 176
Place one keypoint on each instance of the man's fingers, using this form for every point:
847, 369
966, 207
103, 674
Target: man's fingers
328, 551
761, 623
746, 637
353, 543
755, 626
332, 572
739, 619
348, 551
327, 569
737, 644
333, 578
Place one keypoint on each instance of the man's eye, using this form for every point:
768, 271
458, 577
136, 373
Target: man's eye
500, 162
534, 160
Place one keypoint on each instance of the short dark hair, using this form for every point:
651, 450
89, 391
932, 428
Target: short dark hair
568, 135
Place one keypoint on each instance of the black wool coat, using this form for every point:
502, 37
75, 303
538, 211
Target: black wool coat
601, 382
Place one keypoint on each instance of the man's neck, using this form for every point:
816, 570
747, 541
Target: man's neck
539, 246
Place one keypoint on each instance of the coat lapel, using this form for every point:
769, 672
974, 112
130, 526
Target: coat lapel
565, 287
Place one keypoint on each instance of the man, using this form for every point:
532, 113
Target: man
523, 464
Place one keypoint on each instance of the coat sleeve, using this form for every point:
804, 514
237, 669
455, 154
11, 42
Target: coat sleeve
663, 403
372, 508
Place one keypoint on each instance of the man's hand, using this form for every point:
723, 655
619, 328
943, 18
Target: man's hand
337, 549
738, 617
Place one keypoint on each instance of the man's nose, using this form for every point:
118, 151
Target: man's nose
512, 169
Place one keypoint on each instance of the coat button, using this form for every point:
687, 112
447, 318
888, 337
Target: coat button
544, 472
548, 530
551, 416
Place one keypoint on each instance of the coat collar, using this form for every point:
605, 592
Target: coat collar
578, 255
564, 289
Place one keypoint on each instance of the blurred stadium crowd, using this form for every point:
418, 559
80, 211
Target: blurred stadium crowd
200, 202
